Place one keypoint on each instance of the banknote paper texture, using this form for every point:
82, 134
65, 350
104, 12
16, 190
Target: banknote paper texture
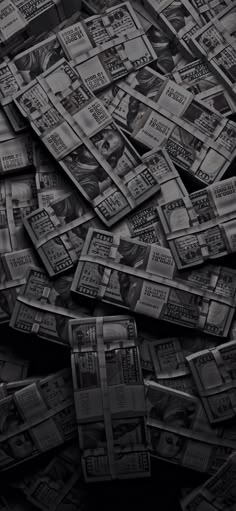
94, 153
179, 431
213, 373
218, 493
36, 418
109, 398
144, 278
202, 226
44, 307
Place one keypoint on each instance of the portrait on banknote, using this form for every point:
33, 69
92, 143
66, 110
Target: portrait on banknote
131, 255
148, 85
174, 412
84, 166
177, 15
166, 49
16, 449
69, 208
32, 63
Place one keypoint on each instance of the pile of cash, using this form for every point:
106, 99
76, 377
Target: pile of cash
117, 242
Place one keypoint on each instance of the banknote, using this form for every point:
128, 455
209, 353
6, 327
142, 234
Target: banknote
216, 42
48, 485
16, 154
36, 419
12, 20
58, 232
217, 493
179, 431
198, 78
213, 372
144, 278
169, 354
44, 306
198, 139
104, 166
202, 226
109, 398
179, 20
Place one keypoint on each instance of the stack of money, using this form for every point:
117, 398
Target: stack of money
179, 431
37, 418
57, 483
199, 140
43, 307
109, 398
117, 189
216, 43
144, 278
213, 373
218, 493
201, 226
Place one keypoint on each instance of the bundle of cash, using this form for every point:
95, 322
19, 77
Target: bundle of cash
180, 19
36, 419
16, 154
198, 79
58, 232
7, 389
218, 493
179, 431
13, 266
201, 226
21, 18
48, 486
144, 278
209, 9
213, 373
82, 136
198, 139
109, 398
43, 307
217, 44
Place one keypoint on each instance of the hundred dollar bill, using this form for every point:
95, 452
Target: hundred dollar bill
218, 493
36, 419
213, 373
144, 223
179, 19
58, 232
180, 433
199, 80
47, 486
10, 83
11, 20
168, 355
168, 55
9, 388
217, 44
109, 398
144, 278
201, 226
44, 307
208, 10
103, 165
198, 139
16, 154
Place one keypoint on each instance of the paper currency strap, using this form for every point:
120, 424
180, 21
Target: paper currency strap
150, 277
30, 423
59, 230
101, 351
153, 105
206, 356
